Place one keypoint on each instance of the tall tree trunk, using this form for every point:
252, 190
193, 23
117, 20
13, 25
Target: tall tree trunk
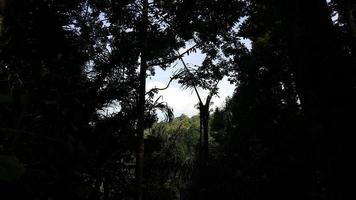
204, 148
141, 102
204, 134
325, 89
201, 142
205, 137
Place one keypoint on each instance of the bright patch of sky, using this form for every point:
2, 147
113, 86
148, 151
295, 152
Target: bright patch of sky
185, 101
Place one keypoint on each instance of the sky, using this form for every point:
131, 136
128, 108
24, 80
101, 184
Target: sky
184, 101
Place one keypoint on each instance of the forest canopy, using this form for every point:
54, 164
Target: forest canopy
285, 133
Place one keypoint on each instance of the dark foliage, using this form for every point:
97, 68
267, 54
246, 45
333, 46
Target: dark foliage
76, 121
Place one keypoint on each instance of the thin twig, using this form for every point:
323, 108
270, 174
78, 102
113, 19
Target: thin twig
167, 86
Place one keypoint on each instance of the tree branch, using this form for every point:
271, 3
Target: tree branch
187, 69
173, 58
158, 89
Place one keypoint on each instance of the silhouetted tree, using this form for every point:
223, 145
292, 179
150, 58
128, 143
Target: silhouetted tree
76, 119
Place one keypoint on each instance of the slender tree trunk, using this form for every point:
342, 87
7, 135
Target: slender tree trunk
201, 143
141, 103
204, 150
205, 135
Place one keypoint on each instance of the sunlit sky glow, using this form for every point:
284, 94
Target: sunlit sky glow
185, 101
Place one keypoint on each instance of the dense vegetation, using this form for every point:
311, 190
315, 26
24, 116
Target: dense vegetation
77, 123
